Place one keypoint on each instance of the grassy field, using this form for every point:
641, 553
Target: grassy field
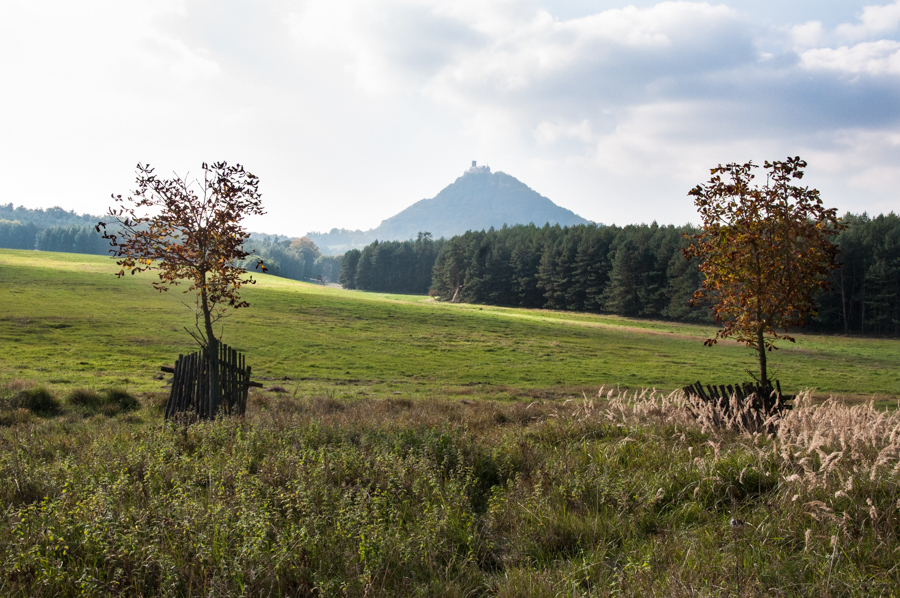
314, 496
390, 455
67, 322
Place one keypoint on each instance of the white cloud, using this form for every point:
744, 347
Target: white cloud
871, 58
875, 20
807, 35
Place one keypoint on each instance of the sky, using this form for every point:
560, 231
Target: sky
349, 111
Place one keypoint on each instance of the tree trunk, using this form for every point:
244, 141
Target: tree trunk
212, 351
844, 303
761, 347
862, 316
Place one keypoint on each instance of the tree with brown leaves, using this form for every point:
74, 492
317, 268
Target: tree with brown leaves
189, 231
764, 252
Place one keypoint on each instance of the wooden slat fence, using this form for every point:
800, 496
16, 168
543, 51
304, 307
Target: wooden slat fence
763, 398
190, 384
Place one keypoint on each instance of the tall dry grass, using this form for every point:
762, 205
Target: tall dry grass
616, 494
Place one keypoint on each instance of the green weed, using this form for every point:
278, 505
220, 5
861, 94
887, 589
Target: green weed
619, 495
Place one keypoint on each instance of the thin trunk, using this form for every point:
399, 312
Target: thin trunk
862, 301
844, 303
760, 326
761, 347
212, 351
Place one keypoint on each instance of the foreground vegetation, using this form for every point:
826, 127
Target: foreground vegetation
619, 495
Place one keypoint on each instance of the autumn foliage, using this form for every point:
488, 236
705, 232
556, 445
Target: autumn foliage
189, 231
764, 252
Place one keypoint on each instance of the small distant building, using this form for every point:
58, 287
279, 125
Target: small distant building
478, 169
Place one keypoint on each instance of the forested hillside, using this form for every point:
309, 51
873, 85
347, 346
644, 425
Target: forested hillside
55, 216
636, 270
53, 229
392, 266
298, 259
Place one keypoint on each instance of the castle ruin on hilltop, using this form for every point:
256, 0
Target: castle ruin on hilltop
478, 169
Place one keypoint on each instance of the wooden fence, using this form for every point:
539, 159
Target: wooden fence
191, 384
764, 398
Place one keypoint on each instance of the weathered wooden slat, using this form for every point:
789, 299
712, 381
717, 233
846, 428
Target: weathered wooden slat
191, 381
173, 393
199, 379
764, 400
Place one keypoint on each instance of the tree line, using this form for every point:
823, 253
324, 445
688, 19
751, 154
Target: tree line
43, 218
392, 266
864, 297
298, 259
635, 271
55, 229
71, 238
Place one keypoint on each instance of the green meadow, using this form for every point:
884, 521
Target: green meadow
68, 322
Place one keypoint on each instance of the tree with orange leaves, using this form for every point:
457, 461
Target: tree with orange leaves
189, 231
764, 252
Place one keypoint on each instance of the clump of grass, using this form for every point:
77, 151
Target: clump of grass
18, 395
109, 402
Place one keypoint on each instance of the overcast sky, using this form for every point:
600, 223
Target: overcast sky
351, 110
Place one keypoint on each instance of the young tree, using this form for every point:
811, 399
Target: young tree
190, 231
764, 252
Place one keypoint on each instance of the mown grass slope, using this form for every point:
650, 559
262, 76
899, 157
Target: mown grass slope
67, 322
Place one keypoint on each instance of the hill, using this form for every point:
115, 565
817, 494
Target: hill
69, 323
477, 200
41, 218
369, 465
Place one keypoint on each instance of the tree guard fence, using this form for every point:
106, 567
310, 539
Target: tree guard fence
762, 398
209, 387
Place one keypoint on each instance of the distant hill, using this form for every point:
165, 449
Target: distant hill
55, 216
53, 229
477, 200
